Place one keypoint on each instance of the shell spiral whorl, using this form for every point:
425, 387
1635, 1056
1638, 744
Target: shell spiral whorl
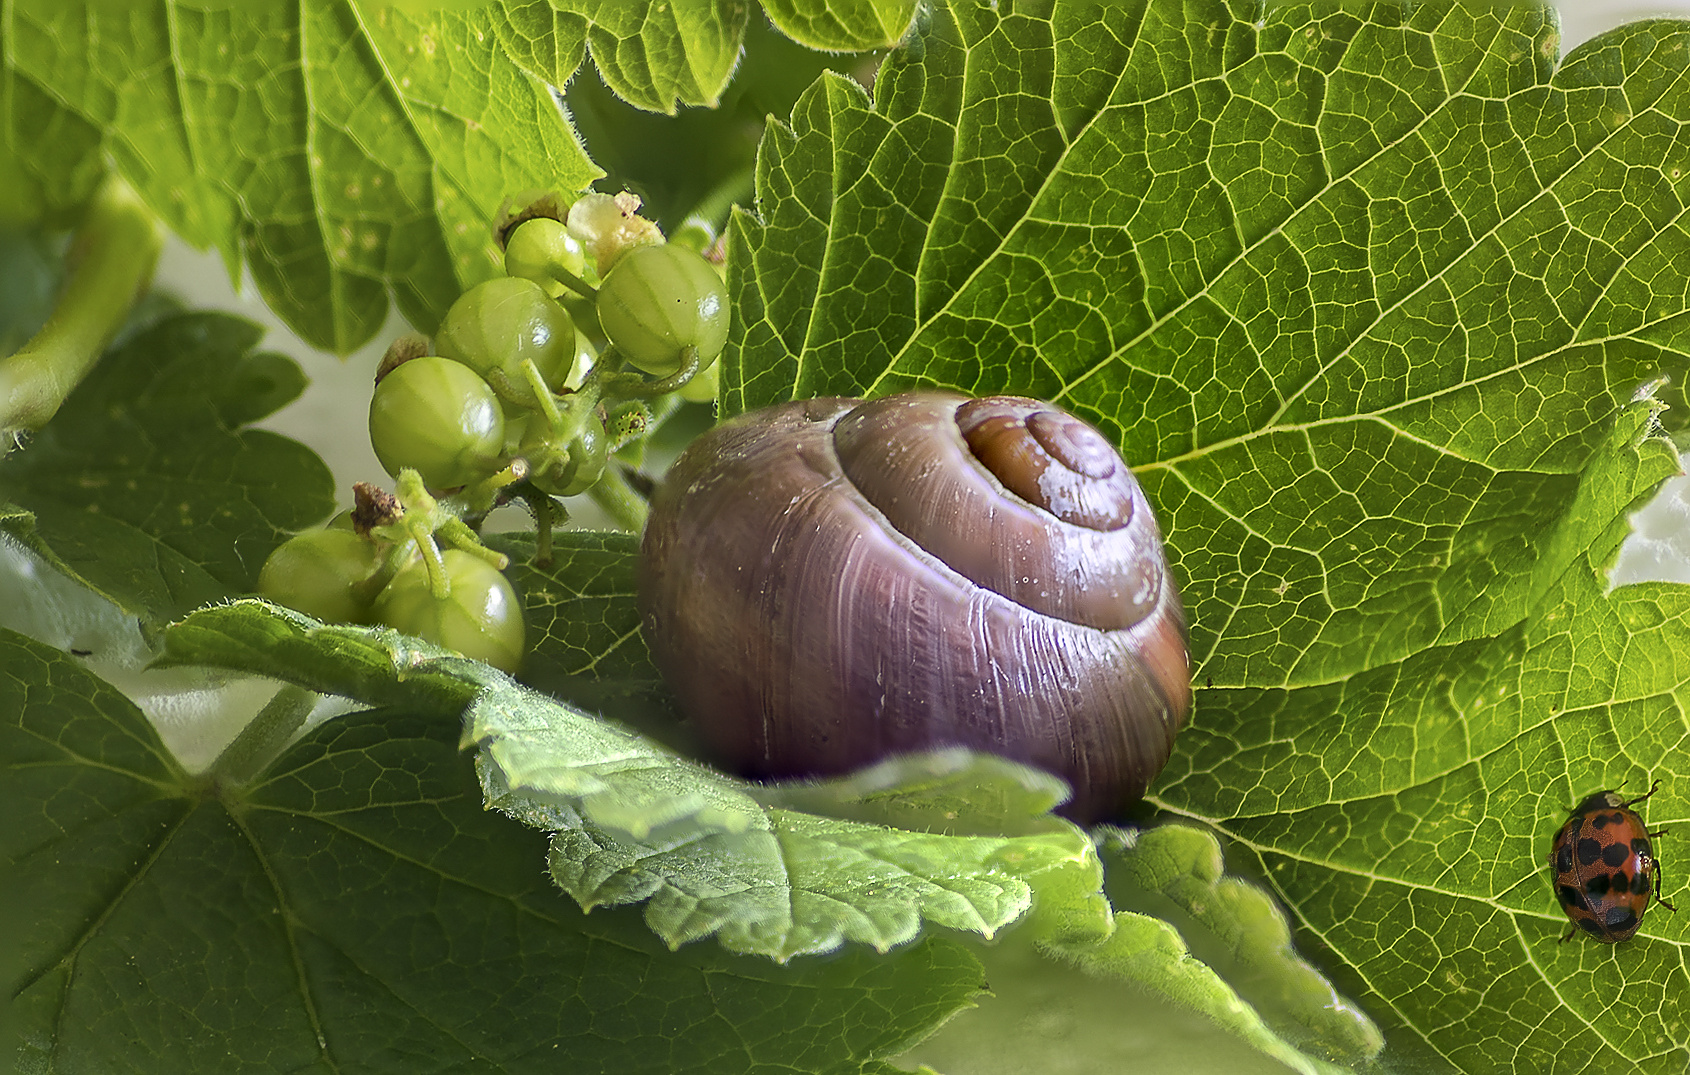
829, 582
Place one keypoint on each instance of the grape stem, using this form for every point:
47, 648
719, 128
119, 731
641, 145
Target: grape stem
544, 509
543, 394
439, 583
633, 386
619, 500
573, 282
423, 519
264, 736
397, 555
111, 263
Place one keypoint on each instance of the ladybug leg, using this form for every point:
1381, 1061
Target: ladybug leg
1567, 936
1658, 898
1652, 789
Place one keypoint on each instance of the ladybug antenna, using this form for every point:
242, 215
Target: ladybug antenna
1652, 789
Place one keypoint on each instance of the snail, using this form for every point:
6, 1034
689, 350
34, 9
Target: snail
829, 582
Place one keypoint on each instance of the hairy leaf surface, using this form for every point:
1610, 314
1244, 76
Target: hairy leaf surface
356, 909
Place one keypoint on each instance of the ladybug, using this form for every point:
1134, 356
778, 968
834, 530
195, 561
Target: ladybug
1605, 868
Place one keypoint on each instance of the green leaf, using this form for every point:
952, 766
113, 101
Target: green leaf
708, 853
698, 160
1358, 334
850, 26
584, 629
1407, 828
1368, 296
655, 55
356, 909
30, 274
343, 150
1413, 843
950, 838
1176, 873
1137, 1002
340, 150
49, 157
373, 665
148, 485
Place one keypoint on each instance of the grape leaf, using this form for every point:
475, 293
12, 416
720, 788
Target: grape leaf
1066, 1016
1404, 814
149, 487
951, 838
842, 27
356, 909
1367, 294
713, 855
584, 631
1358, 334
584, 627
1412, 846
1176, 873
344, 150
49, 157
698, 160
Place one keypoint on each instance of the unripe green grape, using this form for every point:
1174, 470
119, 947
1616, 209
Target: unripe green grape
659, 300
481, 618
585, 466
439, 418
315, 572
498, 324
538, 245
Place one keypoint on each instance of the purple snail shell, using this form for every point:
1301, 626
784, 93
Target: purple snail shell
830, 582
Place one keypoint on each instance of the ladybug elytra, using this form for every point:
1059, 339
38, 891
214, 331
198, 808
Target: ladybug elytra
1605, 868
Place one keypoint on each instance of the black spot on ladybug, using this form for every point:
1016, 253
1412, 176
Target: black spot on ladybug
1569, 895
1640, 883
1618, 819
1589, 850
1589, 924
1620, 919
1598, 885
1599, 821
1564, 859
1616, 854
1619, 882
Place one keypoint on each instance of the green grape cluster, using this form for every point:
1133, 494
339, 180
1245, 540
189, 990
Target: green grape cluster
390, 570
533, 381
516, 391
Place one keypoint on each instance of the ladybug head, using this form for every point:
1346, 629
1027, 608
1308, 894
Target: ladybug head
1602, 800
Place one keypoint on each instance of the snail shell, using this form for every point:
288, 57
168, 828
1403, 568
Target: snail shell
829, 582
